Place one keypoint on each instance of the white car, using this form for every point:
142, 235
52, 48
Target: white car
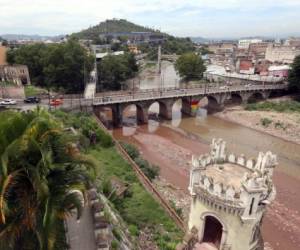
8, 102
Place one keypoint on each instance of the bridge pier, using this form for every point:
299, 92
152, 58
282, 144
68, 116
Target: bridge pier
117, 115
165, 109
141, 115
190, 105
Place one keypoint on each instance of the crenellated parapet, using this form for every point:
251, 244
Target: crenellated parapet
233, 180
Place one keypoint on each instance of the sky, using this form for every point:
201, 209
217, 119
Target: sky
205, 18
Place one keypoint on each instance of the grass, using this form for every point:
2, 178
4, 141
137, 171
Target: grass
283, 106
138, 207
31, 90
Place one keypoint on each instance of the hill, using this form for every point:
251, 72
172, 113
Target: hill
171, 44
109, 26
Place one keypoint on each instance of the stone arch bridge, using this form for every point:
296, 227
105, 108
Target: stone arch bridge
217, 98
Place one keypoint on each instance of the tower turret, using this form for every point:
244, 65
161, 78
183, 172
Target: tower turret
229, 197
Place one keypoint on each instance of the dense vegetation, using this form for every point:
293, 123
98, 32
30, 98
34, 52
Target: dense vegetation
42, 178
56, 66
151, 171
283, 106
172, 45
42, 165
138, 208
113, 25
115, 69
294, 74
190, 66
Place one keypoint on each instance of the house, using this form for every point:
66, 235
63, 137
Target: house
279, 71
18, 74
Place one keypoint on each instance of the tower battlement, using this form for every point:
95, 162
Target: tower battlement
232, 189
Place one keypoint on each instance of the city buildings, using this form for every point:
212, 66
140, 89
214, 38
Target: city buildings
245, 43
281, 53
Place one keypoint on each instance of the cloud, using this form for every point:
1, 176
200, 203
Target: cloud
182, 17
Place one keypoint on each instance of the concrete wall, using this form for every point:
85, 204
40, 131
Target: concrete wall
12, 92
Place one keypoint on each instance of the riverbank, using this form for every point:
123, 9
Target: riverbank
171, 149
283, 125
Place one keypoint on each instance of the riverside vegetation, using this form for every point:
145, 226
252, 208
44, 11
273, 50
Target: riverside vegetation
138, 208
47, 159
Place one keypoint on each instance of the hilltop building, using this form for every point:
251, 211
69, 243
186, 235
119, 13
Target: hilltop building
245, 43
229, 198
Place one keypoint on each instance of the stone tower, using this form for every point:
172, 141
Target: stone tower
229, 197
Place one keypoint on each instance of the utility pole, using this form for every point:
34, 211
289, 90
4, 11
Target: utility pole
159, 59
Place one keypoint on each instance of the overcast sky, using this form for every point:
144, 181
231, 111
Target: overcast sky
206, 18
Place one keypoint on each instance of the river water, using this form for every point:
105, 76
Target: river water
170, 144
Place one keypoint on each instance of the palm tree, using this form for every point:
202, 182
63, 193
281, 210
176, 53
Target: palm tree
43, 177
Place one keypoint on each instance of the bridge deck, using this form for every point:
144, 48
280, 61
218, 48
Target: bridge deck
155, 94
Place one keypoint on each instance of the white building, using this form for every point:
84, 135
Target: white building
244, 43
282, 53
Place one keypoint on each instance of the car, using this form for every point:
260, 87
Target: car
56, 102
248, 85
8, 102
32, 99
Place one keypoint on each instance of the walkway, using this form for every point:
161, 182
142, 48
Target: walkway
154, 94
81, 233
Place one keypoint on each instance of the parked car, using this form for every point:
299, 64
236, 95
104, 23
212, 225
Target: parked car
56, 102
32, 99
248, 85
8, 102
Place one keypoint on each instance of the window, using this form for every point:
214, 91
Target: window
251, 206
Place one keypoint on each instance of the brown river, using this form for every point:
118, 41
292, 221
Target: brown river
170, 145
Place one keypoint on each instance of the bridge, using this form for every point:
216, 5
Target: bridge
217, 98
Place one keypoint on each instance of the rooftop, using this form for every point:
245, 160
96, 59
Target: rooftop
228, 174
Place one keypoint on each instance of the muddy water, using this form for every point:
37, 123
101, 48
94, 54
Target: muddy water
171, 144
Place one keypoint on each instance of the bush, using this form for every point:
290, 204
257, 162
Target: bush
86, 125
283, 106
133, 229
265, 122
149, 170
131, 150
279, 124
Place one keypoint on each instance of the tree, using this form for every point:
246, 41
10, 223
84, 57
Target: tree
294, 74
113, 70
42, 178
190, 66
57, 66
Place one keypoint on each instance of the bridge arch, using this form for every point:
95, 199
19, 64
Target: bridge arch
212, 104
274, 94
236, 98
255, 97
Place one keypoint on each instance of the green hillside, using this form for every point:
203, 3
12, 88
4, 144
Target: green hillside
112, 25
171, 45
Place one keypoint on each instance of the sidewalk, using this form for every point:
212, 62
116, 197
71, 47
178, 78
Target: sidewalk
81, 233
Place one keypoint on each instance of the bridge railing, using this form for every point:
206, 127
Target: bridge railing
176, 92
